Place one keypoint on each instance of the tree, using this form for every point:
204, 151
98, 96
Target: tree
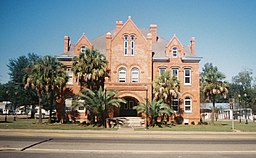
46, 76
155, 109
55, 80
213, 85
242, 89
18, 69
36, 80
90, 68
97, 102
166, 88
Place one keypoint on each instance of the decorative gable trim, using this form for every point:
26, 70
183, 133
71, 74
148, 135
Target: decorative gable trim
86, 39
174, 38
126, 23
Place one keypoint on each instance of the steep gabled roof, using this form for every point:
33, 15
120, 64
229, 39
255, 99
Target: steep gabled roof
83, 37
129, 21
174, 38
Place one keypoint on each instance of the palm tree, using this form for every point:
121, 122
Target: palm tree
166, 88
213, 85
97, 102
90, 68
156, 108
47, 76
36, 80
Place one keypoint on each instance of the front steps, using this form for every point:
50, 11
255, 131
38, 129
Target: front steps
129, 122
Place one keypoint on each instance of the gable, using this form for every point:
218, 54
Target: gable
83, 41
129, 28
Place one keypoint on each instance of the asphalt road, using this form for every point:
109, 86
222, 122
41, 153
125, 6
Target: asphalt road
114, 144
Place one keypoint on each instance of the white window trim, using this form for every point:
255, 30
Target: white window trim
132, 75
132, 45
190, 78
190, 100
126, 41
176, 52
82, 49
122, 70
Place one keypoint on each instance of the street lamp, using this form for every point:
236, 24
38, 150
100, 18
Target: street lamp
239, 96
246, 120
146, 108
231, 113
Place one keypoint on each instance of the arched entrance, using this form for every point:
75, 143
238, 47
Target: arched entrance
127, 109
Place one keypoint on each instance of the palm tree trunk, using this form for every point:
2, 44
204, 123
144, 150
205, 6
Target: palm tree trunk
33, 111
40, 109
213, 109
51, 102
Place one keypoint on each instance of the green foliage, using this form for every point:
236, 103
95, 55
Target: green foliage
90, 68
166, 88
95, 102
243, 90
212, 84
155, 109
47, 76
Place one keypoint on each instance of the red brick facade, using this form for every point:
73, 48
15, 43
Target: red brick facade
135, 59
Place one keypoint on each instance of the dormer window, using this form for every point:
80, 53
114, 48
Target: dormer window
174, 52
132, 45
125, 45
82, 49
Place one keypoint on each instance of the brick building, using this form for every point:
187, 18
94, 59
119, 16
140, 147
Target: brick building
136, 57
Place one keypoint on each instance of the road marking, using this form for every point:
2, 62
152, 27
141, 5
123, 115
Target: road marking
129, 151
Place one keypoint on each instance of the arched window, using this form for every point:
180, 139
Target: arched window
122, 75
82, 49
135, 74
174, 52
132, 45
187, 105
125, 45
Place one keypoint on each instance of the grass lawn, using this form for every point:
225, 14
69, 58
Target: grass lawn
219, 126
23, 123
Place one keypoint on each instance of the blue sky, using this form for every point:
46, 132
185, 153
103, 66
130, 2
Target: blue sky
225, 30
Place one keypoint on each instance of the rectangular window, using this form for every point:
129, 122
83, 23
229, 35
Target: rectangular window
125, 45
132, 45
187, 77
175, 105
174, 52
70, 76
161, 70
188, 105
175, 72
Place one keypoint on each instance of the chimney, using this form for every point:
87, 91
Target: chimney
66, 44
119, 25
153, 31
192, 45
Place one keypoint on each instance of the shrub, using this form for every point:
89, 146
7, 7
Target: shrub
179, 120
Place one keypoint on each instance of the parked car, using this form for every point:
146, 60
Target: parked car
8, 112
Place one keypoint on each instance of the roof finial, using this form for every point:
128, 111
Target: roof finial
83, 33
129, 17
